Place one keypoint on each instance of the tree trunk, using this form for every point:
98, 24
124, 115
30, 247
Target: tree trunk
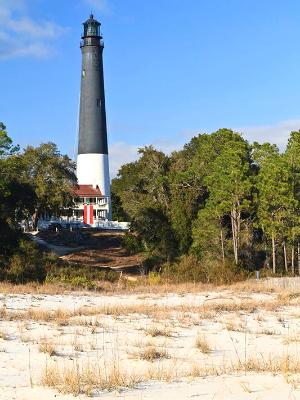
235, 227
35, 220
285, 257
273, 254
293, 259
234, 238
222, 246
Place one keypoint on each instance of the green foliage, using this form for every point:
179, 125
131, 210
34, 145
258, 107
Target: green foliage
118, 213
132, 243
190, 269
27, 264
143, 183
51, 175
79, 276
154, 278
39, 179
207, 233
154, 230
210, 212
6, 144
33, 181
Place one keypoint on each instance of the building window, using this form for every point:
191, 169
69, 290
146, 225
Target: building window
90, 200
83, 73
102, 201
102, 214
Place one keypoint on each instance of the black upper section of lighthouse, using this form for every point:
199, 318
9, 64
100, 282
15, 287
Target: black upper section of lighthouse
92, 116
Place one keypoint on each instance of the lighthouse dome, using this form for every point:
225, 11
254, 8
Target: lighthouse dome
91, 27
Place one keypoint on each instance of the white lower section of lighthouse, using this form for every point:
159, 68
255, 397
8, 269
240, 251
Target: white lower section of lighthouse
93, 169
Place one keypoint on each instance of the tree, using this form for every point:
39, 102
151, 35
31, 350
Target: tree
6, 144
189, 169
186, 192
142, 190
229, 184
143, 183
52, 177
275, 200
209, 234
16, 197
292, 156
155, 232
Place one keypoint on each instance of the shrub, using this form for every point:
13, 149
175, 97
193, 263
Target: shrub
187, 269
27, 264
132, 243
154, 278
82, 276
190, 269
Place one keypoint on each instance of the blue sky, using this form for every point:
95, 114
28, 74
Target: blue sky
173, 68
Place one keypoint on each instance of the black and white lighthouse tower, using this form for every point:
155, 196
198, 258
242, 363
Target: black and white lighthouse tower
92, 159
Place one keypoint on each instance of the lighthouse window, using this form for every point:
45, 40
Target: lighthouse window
98, 102
83, 73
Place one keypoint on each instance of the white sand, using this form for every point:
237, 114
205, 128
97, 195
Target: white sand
233, 337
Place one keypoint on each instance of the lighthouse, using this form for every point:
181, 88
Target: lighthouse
92, 158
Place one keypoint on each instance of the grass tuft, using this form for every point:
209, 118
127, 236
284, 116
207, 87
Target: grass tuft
202, 344
153, 353
47, 348
155, 331
86, 378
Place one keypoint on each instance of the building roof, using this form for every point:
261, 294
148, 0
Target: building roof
87, 190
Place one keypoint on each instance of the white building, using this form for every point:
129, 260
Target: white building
90, 205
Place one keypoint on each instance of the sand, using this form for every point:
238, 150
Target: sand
98, 332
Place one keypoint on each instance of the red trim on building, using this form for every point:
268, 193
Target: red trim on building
88, 214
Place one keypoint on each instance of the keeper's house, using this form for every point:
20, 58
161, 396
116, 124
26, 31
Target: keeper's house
90, 205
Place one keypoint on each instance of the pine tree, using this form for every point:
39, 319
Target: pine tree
229, 185
275, 201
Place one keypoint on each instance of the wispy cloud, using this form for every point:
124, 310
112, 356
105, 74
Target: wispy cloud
99, 5
21, 35
121, 153
278, 133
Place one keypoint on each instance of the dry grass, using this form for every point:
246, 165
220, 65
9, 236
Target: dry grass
84, 379
293, 381
202, 344
268, 332
158, 331
141, 343
291, 339
204, 370
142, 287
246, 387
26, 339
205, 311
153, 353
31, 288
99, 327
80, 347
163, 372
230, 326
47, 348
276, 365
4, 335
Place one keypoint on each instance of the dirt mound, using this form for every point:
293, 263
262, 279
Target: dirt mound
104, 249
